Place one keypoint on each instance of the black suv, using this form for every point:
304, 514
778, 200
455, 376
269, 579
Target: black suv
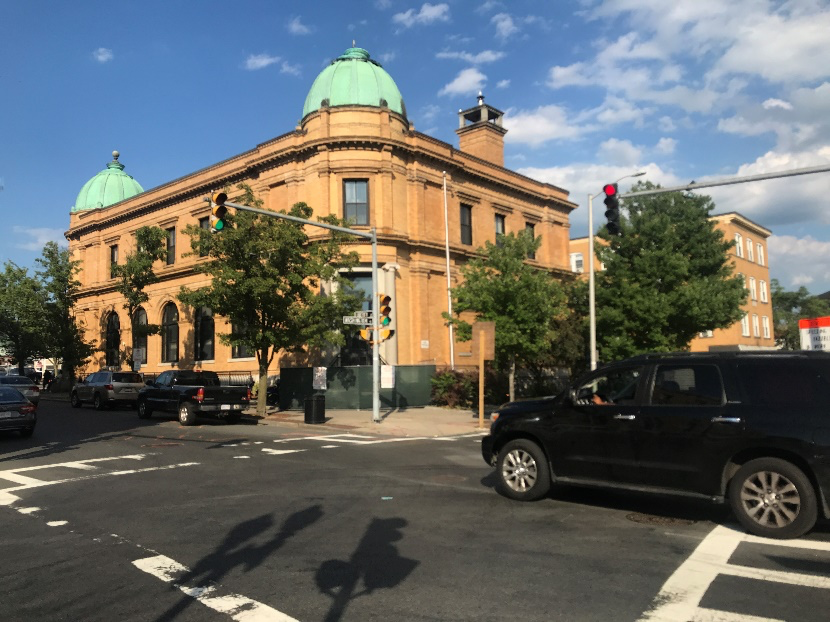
751, 427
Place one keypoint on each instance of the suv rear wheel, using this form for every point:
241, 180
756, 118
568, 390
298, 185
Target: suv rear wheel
75, 401
523, 470
773, 498
143, 409
98, 402
186, 415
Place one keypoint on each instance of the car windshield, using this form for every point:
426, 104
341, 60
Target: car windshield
127, 377
7, 394
15, 380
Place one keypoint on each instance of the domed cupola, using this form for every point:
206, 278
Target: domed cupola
109, 186
354, 78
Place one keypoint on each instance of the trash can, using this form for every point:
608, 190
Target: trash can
314, 409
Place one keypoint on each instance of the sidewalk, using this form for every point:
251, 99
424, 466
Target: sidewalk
430, 421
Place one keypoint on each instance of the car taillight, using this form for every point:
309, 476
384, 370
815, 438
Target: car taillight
35, 389
248, 395
108, 387
26, 408
201, 393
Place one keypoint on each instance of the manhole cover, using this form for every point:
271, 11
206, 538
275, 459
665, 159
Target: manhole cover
658, 520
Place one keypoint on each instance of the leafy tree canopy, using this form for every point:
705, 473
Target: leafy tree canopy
791, 306
22, 303
667, 277
266, 278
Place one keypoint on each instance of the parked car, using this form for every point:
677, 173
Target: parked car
24, 385
106, 388
748, 427
17, 412
192, 394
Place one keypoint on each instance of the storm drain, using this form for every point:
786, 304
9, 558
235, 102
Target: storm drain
658, 520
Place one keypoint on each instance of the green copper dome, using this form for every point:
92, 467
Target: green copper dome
108, 187
354, 78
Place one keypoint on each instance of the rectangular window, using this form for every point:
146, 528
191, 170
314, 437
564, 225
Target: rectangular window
739, 248
356, 202
756, 326
114, 260
530, 229
499, 226
241, 351
766, 326
577, 262
205, 224
753, 289
171, 245
760, 253
707, 334
693, 385
466, 224
745, 325
763, 291
749, 249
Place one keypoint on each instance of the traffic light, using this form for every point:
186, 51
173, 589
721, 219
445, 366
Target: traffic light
385, 332
367, 334
612, 211
218, 212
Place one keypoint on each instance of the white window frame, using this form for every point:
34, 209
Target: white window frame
766, 326
752, 289
739, 246
745, 325
763, 291
577, 259
749, 249
756, 332
760, 253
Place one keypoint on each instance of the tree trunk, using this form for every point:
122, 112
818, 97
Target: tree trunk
512, 380
263, 368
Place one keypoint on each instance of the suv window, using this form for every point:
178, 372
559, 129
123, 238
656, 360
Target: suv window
696, 384
164, 379
206, 379
101, 377
781, 381
614, 387
127, 377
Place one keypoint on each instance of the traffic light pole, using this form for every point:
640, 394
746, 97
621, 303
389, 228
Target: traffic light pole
374, 281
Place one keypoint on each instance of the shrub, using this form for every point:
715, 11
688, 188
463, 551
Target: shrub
455, 389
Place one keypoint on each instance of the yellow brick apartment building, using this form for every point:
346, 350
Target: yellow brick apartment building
354, 154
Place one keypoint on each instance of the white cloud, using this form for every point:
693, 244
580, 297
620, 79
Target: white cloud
382, 4
260, 61
666, 124
387, 57
468, 81
666, 145
36, 238
428, 14
297, 28
796, 262
487, 56
546, 123
775, 103
288, 68
502, 84
505, 26
619, 152
103, 55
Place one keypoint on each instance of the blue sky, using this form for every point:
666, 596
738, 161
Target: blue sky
592, 90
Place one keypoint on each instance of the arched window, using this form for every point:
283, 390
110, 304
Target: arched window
140, 337
203, 334
170, 334
112, 340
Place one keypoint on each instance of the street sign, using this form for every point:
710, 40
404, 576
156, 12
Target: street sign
358, 321
363, 313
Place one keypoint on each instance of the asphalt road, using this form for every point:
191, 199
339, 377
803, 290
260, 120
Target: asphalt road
107, 517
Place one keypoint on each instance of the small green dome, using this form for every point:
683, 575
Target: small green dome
108, 187
354, 78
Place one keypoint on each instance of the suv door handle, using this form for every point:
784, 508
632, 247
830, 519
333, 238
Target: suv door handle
726, 420
620, 416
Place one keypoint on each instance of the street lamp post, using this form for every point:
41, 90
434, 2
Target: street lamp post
591, 257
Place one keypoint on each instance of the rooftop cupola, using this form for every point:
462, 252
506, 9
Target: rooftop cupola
109, 186
481, 132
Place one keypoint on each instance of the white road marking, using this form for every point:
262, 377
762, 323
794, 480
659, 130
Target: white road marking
344, 437
239, 608
680, 596
29, 510
243, 457
711, 615
369, 443
271, 451
328, 447
61, 523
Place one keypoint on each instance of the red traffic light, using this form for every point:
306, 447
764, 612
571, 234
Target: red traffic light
610, 189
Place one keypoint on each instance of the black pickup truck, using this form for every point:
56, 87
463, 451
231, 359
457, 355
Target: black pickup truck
192, 394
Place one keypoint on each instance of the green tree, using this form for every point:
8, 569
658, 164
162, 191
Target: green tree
63, 339
22, 303
788, 308
266, 278
137, 273
527, 304
667, 277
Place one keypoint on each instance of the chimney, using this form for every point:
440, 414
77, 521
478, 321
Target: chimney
481, 132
